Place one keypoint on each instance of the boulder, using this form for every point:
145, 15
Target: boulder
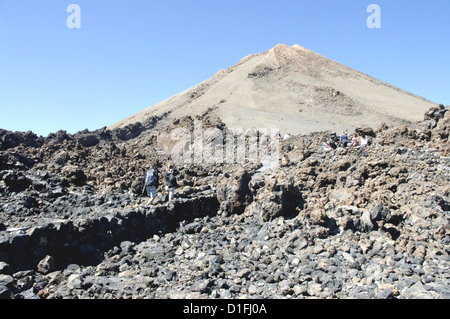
365, 131
46, 265
74, 175
88, 140
5, 293
279, 197
234, 193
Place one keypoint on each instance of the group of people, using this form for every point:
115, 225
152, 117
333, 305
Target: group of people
278, 136
152, 182
152, 178
344, 141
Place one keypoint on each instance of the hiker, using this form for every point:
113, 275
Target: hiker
327, 147
151, 183
355, 141
171, 181
277, 135
343, 140
364, 141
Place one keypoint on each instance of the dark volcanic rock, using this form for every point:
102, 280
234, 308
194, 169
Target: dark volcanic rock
88, 140
234, 194
353, 223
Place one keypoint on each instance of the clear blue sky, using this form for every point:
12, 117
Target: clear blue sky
129, 55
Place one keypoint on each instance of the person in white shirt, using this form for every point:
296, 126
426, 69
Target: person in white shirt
364, 141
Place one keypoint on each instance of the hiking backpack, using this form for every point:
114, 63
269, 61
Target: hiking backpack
172, 179
151, 178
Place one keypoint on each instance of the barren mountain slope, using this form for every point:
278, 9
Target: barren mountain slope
295, 90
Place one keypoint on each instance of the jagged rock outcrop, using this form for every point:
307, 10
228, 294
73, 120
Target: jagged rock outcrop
234, 194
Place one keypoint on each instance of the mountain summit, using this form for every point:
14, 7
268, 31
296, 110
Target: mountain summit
295, 90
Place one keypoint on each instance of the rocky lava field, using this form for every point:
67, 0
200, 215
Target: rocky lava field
353, 223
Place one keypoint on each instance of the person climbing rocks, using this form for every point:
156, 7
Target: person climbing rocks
171, 181
151, 184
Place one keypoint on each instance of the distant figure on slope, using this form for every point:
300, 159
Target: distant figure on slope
364, 141
355, 141
327, 147
171, 181
151, 183
343, 140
